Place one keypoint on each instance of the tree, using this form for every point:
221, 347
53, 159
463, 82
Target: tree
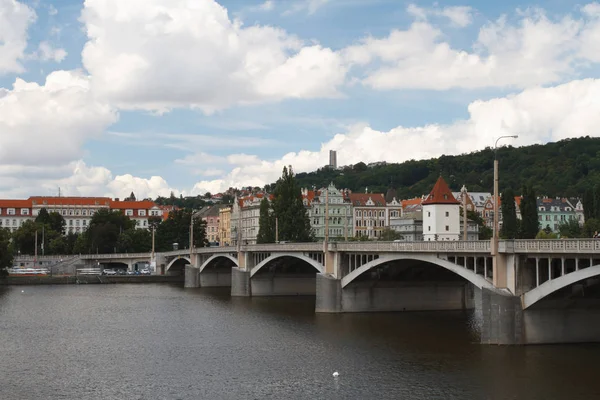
485, 232
530, 224
104, 230
266, 223
134, 241
390, 235
570, 229
176, 229
24, 237
591, 227
6, 252
588, 204
510, 227
292, 216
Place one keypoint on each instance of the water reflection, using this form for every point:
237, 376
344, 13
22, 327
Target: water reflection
163, 342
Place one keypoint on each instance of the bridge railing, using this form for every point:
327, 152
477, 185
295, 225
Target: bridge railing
550, 246
311, 246
25, 258
116, 256
428, 246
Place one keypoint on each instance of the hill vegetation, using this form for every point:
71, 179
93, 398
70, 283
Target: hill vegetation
566, 168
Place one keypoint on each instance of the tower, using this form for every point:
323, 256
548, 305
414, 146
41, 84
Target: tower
441, 214
332, 159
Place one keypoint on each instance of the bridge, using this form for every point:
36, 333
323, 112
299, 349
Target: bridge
533, 291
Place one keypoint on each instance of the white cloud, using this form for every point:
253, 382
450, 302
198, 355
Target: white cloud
310, 6
52, 10
537, 115
536, 51
267, 5
48, 124
460, 16
46, 52
160, 54
15, 19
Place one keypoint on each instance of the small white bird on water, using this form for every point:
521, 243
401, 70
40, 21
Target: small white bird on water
336, 374
22, 291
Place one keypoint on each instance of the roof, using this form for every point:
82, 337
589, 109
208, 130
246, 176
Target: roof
440, 194
69, 201
411, 202
361, 199
132, 205
15, 203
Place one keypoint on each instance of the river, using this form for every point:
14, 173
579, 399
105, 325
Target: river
158, 341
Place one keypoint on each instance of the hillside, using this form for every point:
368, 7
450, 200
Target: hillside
564, 168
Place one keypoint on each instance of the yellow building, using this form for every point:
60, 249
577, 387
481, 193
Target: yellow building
225, 226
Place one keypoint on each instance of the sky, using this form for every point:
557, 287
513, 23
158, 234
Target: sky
106, 97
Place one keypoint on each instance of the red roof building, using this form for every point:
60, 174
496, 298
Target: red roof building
440, 194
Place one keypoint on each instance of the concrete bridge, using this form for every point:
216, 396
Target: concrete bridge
533, 291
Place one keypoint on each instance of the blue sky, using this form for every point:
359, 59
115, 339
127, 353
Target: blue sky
456, 75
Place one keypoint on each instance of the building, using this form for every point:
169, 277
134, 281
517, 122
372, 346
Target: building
333, 159
441, 214
369, 214
339, 212
14, 212
225, 226
210, 215
555, 211
77, 211
245, 217
477, 199
410, 226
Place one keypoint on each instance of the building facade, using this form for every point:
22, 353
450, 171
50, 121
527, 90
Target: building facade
369, 214
77, 211
245, 217
441, 214
555, 211
225, 226
339, 213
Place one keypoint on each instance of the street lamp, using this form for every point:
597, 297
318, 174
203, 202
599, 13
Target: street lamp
496, 199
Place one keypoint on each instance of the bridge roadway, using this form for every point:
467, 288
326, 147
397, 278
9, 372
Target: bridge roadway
534, 292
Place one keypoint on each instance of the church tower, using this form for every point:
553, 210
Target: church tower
441, 214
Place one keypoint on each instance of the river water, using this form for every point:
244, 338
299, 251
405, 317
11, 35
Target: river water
163, 342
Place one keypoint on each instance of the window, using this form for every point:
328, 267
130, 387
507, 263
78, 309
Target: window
429, 228
447, 213
10, 211
14, 222
428, 213
24, 211
142, 213
129, 213
447, 228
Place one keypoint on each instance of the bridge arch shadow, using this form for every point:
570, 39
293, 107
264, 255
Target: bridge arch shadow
552, 286
282, 256
215, 259
177, 265
470, 276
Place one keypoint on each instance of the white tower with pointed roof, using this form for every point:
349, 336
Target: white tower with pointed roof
441, 214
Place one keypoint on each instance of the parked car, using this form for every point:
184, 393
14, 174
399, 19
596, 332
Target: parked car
145, 271
109, 272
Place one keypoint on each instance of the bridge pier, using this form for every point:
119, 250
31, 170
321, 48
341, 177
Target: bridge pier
191, 276
240, 282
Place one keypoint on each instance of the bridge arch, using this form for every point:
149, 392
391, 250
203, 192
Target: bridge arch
553, 285
317, 265
468, 275
173, 261
214, 257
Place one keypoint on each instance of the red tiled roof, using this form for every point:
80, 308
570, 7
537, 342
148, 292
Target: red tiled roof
70, 201
440, 194
132, 205
411, 202
15, 203
361, 199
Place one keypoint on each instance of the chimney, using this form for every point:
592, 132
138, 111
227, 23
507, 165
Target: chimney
116, 199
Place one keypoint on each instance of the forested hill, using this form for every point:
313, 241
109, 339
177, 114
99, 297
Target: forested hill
565, 168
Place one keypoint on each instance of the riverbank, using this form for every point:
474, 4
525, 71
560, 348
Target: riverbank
89, 279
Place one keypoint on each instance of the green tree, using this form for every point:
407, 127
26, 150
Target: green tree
543, 234
104, 230
588, 204
176, 229
530, 224
24, 237
390, 235
266, 223
510, 227
58, 245
134, 241
570, 229
591, 227
6, 252
293, 222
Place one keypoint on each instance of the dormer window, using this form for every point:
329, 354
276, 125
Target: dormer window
445, 197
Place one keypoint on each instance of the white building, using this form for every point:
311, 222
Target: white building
441, 214
339, 209
245, 217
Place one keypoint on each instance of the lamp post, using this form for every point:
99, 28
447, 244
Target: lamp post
496, 199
